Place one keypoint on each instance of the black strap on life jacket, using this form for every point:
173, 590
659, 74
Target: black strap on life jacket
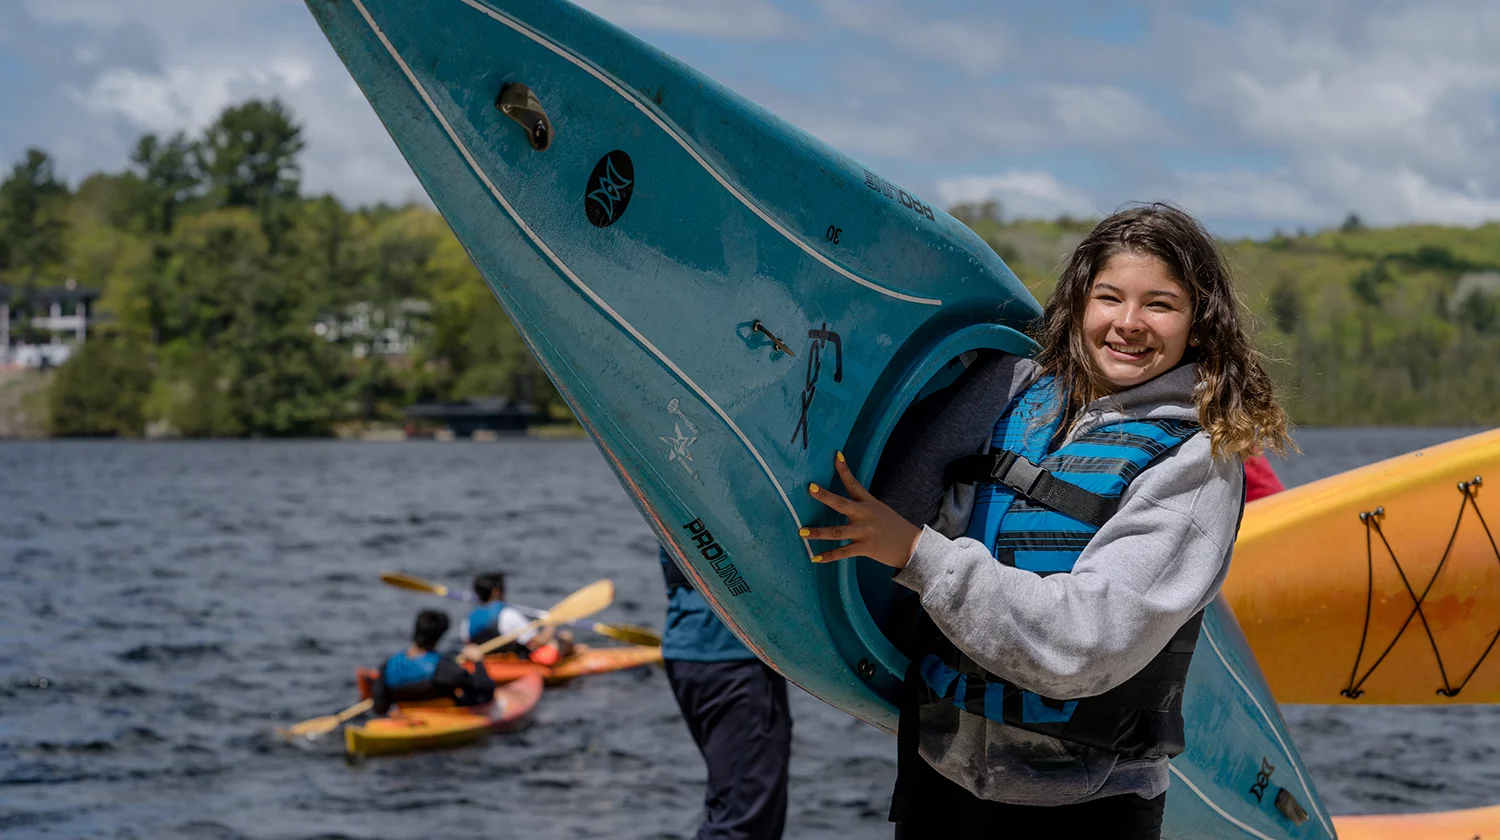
1026, 479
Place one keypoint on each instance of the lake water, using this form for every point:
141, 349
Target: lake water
165, 606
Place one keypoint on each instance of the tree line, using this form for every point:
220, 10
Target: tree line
214, 266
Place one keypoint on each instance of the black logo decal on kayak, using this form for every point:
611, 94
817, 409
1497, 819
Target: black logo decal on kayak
1262, 780
717, 557
898, 195
820, 339
609, 188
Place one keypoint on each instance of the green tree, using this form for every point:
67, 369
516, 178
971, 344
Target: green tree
327, 241
32, 233
193, 292
1480, 312
202, 406
1369, 285
165, 169
1285, 305
248, 158
101, 391
285, 380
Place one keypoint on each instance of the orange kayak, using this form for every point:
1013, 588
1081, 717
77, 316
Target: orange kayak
585, 660
1380, 585
424, 727
1473, 824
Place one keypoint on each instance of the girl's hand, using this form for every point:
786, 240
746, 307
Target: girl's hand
874, 530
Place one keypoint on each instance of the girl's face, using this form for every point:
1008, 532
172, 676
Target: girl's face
1137, 321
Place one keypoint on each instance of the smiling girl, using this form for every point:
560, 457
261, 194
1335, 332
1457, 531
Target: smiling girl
1064, 522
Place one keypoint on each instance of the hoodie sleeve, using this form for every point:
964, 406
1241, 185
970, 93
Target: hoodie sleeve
1156, 562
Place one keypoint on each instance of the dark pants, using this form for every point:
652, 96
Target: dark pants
738, 716
935, 807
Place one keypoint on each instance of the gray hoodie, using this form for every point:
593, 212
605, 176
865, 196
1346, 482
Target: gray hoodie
1159, 560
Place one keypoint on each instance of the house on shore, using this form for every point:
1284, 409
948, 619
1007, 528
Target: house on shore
488, 417
40, 327
369, 329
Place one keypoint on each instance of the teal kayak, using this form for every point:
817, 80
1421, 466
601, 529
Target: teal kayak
725, 302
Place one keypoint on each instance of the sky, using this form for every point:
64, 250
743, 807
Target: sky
1257, 116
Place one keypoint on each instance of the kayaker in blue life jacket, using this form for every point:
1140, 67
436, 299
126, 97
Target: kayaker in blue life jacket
736, 708
419, 673
1063, 522
494, 617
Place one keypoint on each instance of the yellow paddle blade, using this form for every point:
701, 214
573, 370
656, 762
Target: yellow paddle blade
582, 604
630, 634
326, 724
401, 580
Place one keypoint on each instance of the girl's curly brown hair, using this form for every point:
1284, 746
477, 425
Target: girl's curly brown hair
1237, 403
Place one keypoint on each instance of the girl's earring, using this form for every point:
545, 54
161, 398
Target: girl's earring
1193, 341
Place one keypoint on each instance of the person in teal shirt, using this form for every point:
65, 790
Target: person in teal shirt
736, 708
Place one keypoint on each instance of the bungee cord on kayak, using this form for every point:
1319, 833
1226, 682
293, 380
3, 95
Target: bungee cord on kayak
1371, 519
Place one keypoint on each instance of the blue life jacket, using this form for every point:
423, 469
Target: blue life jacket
411, 677
484, 622
1037, 511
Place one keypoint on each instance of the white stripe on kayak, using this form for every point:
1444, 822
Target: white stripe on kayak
1312, 801
527, 31
1223, 813
568, 272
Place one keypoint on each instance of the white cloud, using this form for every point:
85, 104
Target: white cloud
748, 19
978, 47
1086, 113
965, 126
1386, 109
1244, 195
1284, 114
1022, 193
348, 151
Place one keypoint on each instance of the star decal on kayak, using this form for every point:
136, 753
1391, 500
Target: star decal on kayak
680, 451
680, 445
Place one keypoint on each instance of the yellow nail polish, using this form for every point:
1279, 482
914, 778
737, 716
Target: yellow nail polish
804, 532
812, 488
817, 558
841, 457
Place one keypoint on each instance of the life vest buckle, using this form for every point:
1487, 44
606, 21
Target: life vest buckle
1017, 473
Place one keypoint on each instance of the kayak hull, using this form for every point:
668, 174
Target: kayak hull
585, 661
418, 727
723, 300
1471, 824
1328, 597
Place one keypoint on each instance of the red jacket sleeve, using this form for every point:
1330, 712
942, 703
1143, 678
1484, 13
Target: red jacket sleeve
1260, 479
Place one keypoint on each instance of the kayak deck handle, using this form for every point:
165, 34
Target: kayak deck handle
518, 102
758, 327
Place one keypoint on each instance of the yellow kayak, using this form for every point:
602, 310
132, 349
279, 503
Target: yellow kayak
1473, 824
1379, 585
438, 726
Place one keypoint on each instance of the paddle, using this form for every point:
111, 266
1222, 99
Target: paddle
327, 723
581, 604
628, 633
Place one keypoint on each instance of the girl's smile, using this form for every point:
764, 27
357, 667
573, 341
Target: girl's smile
1137, 321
